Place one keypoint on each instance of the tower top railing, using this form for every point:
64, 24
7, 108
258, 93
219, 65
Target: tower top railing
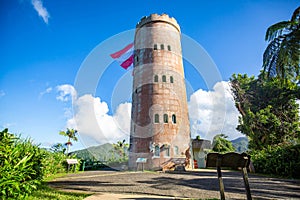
158, 18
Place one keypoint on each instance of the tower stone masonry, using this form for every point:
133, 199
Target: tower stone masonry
160, 129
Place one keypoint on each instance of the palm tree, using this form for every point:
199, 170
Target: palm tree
121, 147
71, 134
282, 56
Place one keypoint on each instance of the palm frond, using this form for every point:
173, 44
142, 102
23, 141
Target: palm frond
296, 15
277, 29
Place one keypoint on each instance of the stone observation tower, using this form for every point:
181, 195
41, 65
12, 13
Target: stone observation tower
160, 130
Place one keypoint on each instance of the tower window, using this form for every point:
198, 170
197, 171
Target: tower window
167, 151
156, 151
136, 58
162, 47
156, 118
155, 47
155, 78
166, 118
164, 79
169, 47
171, 79
174, 119
176, 151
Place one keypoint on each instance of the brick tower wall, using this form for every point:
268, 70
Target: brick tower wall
160, 128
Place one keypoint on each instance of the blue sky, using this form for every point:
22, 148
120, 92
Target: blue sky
44, 44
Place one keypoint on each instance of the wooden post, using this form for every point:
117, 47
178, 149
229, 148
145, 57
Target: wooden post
221, 185
247, 187
68, 168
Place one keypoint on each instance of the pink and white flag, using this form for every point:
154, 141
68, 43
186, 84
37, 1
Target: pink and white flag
124, 56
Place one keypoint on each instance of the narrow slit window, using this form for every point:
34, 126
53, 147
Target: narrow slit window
156, 151
166, 118
155, 78
169, 47
176, 151
167, 151
174, 119
164, 78
155, 47
162, 47
171, 79
156, 118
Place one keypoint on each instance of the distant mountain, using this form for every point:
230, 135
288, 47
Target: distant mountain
240, 144
104, 152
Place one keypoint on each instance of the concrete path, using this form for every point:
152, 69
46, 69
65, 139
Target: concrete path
201, 184
109, 196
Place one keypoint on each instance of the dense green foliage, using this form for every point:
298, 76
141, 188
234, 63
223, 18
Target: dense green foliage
121, 148
281, 57
55, 162
269, 112
221, 144
278, 160
20, 166
23, 166
268, 106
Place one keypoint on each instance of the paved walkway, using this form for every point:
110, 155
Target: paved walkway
109, 196
202, 184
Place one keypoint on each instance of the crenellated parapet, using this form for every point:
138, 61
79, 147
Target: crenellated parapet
153, 18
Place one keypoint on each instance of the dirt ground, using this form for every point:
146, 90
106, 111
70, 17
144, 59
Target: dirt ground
200, 184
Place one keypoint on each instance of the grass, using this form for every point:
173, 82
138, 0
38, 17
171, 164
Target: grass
47, 193
44, 192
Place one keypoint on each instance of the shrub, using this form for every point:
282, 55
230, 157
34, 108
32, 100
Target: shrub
280, 160
55, 162
20, 166
23, 165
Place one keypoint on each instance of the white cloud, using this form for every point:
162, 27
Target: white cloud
41, 10
213, 112
47, 91
92, 120
66, 92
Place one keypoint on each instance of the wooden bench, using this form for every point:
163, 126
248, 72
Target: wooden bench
231, 160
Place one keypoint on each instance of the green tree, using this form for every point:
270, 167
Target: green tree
71, 134
281, 57
121, 147
221, 144
269, 112
58, 148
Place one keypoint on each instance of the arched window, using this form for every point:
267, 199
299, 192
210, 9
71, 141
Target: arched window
162, 47
166, 118
174, 119
155, 47
155, 78
171, 79
169, 47
164, 78
156, 118
156, 151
